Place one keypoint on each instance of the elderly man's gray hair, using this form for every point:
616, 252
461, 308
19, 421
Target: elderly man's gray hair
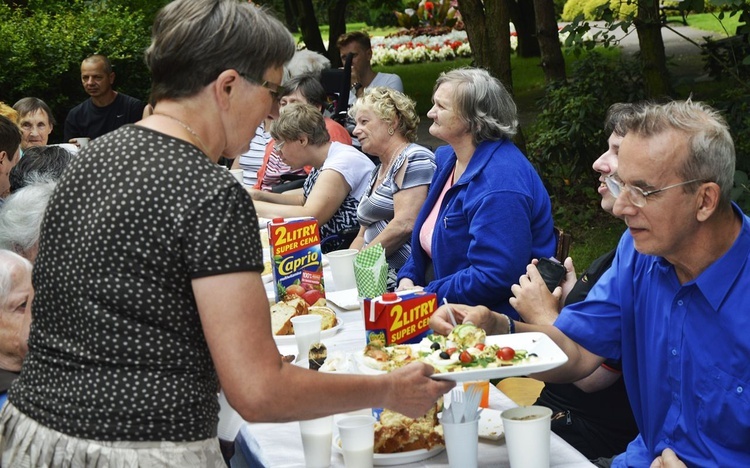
21, 217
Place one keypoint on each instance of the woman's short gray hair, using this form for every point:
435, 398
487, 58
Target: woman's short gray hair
193, 41
21, 217
389, 105
483, 103
9, 261
712, 155
298, 119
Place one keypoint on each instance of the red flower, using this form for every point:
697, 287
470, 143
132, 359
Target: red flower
429, 5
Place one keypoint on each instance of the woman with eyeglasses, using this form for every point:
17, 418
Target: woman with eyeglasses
148, 289
335, 185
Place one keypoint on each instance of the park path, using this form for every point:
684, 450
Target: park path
684, 61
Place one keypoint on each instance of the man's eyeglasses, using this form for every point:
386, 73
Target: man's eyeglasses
276, 90
279, 146
637, 195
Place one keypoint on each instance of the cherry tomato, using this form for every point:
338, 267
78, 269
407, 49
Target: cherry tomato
506, 354
450, 351
480, 346
295, 289
466, 357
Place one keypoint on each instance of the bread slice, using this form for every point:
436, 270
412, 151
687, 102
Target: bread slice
282, 313
328, 316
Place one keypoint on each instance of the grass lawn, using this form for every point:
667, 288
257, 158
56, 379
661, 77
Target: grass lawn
528, 78
710, 22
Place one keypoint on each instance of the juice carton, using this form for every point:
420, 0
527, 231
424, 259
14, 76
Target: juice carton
296, 257
402, 317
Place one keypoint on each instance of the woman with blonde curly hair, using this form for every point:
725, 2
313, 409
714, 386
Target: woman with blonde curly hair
387, 128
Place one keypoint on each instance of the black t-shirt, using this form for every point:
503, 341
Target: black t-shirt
88, 120
116, 349
598, 424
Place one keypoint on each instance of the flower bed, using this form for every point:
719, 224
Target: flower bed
403, 48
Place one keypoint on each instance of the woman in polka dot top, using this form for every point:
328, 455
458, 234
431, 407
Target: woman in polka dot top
148, 288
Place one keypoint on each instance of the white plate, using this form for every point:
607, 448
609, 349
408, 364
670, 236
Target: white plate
491, 424
390, 459
549, 357
289, 339
347, 299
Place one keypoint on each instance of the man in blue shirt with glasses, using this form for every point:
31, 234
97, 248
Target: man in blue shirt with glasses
675, 305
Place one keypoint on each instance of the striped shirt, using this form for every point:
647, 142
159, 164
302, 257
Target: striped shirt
251, 160
376, 207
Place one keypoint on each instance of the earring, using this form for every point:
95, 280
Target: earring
391, 131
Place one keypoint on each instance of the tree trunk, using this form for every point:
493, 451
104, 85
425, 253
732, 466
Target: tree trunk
308, 25
488, 30
522, 13
337, 27
290, 16
552, 61
653, 56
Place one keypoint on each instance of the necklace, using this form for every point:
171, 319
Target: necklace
201, 146
392, 161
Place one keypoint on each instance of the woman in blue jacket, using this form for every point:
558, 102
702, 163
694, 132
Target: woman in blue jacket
487, 213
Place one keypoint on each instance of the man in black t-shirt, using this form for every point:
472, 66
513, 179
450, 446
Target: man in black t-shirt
106, 109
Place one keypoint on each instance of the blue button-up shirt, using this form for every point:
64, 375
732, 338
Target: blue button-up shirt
685, 351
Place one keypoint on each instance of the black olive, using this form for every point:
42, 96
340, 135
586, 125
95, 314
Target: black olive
435, 345
533, 355
445, 355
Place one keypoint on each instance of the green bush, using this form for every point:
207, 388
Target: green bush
43, 50
568, 134
594, 10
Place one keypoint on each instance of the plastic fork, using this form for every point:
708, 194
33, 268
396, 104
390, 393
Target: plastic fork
457, 406
471, 403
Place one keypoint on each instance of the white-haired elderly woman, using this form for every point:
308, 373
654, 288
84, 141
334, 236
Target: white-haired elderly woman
15, 315
21, 218
487, 213
148, 291
386, 127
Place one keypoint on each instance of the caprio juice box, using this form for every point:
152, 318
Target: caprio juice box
396, 318
296, 257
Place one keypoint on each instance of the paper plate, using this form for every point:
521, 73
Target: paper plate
390, 459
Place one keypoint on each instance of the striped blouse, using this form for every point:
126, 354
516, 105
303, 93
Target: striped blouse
376, 208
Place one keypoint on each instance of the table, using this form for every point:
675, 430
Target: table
279, 444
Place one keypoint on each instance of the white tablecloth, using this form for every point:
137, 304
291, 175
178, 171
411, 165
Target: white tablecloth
280, 445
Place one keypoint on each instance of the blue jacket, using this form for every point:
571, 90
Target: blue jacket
492, 222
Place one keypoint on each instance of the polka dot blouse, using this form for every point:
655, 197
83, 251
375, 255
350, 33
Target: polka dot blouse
117, 351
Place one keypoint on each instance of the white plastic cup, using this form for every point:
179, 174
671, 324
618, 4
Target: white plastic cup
342, 268
306, 333
316, 441
357, 440
462, 443
527, 436
230, 422
82, 141
238, 174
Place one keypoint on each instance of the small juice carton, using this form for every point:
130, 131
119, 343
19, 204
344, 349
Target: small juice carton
396, 318
296, 257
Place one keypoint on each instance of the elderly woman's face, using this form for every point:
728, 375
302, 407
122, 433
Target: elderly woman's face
14, 321
446, 123
372, 131
35, 129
